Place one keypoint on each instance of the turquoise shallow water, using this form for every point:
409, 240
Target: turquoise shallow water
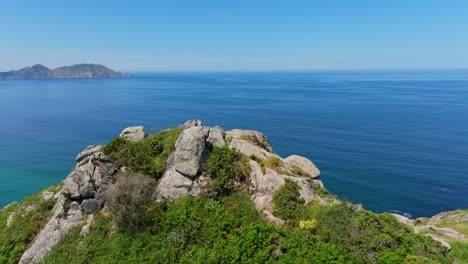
389, 140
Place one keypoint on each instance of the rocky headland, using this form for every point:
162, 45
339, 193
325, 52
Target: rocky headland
210, 164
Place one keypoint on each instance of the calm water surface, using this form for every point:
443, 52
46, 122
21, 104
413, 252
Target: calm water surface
390, 140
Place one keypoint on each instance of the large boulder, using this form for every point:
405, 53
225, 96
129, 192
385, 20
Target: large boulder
251, 136
134, 133
216, 137
306, 166
172, 186
89, 177
191, 150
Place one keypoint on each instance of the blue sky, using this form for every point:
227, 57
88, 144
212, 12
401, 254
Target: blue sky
235, 35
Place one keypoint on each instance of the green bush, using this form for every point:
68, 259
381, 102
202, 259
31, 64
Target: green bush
147, 156
287, 202
226, 168
129, 199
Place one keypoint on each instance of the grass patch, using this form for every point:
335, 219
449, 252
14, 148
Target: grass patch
459, 251
147, 156
461, 227
27, 218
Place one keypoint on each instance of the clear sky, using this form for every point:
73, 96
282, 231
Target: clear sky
235, 35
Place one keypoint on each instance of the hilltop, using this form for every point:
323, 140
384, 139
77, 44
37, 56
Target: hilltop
39, 71
198, 194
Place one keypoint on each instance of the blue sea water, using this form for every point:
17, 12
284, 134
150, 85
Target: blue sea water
394, 141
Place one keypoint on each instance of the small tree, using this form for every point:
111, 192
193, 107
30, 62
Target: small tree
129, 198
287, 202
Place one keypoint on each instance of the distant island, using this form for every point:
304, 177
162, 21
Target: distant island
39, 71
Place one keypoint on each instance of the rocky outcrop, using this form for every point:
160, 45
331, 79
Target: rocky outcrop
191, 150
303, 164
79, 196
134, 133
440, 227
183, 166
264, 185
249, 149
251, 136
60, 223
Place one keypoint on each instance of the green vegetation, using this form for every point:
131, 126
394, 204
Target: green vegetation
222, 226
459, 251
147, 156
26, 219
129, 199
461, 227
229, 230
287, 203
226, 168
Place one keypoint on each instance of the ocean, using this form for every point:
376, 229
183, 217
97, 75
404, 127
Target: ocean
392, 140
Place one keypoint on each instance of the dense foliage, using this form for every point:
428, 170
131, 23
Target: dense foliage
226, 168
287, 202
229, 230
128, 199
147, 156
25, 219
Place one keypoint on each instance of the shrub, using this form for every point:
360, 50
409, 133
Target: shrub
227, 169
308, 224
147, 156
287, 202
273, 163
128, 199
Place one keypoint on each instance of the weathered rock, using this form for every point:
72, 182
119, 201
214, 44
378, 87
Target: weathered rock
10, 219
269, 217
199, 186
87, 179
303, 164
191, 123
90, 206
51, 234
248, 149
47, 195
216, 137
251, 136
446, 232
93, 172
86, 228
264, 185
87, 152
443, 242
457, 216
403, 219
134, 133
191, 150
172, 186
